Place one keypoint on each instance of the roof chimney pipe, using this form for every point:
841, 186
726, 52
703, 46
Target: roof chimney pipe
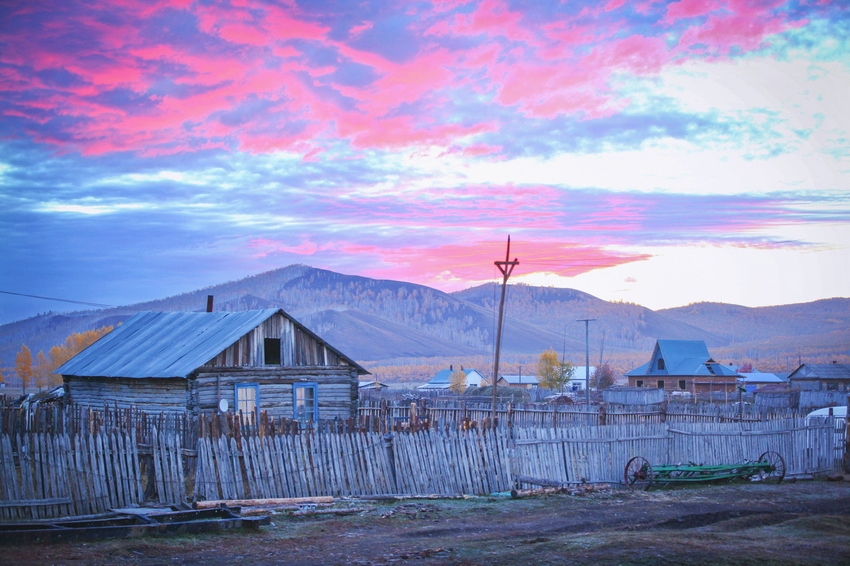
209, 303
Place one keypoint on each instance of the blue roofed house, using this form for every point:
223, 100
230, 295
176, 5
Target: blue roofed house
683, 365
753, 380
191, 361
443, 379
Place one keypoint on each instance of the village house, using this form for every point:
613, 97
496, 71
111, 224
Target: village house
683, 365
579, 378
826, 377
192, 361
443, 379
521, 381
754, 380
576, 383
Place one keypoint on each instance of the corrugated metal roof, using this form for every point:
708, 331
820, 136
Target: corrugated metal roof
822, 371
169, 344
674, 350
521, 379
758, 377
640, 370
681, 358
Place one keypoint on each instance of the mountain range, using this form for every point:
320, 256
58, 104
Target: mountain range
381, 322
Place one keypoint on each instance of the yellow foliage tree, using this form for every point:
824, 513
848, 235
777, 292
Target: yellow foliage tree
40, 370
552, 373
74, 344
55, 360
458, 381
23, 367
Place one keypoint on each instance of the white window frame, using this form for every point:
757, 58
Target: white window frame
246, 386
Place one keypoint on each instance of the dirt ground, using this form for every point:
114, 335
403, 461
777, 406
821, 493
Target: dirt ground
807, 522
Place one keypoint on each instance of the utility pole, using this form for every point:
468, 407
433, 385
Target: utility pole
506, 267
587, 322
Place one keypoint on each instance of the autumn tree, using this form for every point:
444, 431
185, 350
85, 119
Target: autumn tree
458, 381
23, 367
40, 370
1, 373
603, 376
552, 373
74, 344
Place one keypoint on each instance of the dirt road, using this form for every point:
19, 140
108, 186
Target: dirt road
744, 523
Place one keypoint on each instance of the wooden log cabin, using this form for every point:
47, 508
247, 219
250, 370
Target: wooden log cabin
191, 361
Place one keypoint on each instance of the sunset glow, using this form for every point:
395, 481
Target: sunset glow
654, 152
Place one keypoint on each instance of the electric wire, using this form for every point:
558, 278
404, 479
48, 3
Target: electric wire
55, 299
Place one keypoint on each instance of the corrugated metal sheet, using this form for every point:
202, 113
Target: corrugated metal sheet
168, 344
822, 371
689, 366
640, 370
674, 350
749, 378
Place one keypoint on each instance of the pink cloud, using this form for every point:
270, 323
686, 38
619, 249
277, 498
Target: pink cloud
689, 9
453, 266
721, 33
613, 5
134, 89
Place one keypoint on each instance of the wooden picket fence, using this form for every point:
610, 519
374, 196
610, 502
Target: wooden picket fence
599, 454
452, 414
314, 464
45, 475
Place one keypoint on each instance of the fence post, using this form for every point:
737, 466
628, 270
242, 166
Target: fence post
740, 404
847, 437
388, 446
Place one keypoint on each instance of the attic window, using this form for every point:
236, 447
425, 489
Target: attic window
272, 351
660, 363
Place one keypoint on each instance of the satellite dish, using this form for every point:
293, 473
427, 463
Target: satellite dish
223, 406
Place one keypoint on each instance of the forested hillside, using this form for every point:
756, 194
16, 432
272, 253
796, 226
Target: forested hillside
392, 323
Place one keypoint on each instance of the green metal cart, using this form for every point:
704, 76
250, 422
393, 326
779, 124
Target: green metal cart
640, 474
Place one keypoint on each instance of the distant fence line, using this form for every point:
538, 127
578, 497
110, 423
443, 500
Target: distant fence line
444, 413
379, 416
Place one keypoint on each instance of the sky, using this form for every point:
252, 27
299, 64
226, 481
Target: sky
660, 153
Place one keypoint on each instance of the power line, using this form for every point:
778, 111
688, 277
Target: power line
53, 299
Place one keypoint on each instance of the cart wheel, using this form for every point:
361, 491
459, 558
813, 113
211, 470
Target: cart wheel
638, 473
777, 467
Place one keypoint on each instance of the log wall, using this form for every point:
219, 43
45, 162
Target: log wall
337, 389
150, 395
